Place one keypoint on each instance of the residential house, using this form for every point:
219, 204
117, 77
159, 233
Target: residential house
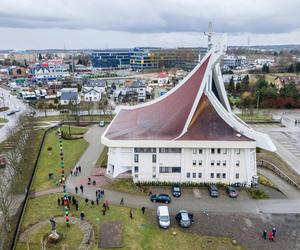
69, 95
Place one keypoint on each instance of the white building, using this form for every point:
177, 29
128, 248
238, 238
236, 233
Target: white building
69, 95
91, 94
189, 134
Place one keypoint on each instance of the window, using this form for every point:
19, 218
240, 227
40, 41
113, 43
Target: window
200, 163
170, 169
237, 176
224, 163
237, 163
194, 175
199, 175
136, 169
154, 158
194, 150
144, 150
188, 175
170, 150
218, 162
200, 150
194, 162
238, 151
136, 158
218, 175
219, 151
212, 163
212, 151
225, 151
212, 175
223, 175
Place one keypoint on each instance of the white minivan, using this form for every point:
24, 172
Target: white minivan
163, 216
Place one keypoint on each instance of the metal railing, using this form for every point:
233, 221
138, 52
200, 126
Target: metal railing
277, 171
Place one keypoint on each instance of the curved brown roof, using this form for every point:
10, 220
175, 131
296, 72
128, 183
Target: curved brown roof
166, 118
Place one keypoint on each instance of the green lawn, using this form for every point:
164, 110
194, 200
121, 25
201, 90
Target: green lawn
127, 186
102, 160
3, 120
50, 159
71, 118
142, 232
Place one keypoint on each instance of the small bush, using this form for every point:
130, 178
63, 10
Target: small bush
257, 194
49, 148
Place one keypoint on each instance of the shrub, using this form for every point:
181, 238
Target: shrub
49, 148
257, 194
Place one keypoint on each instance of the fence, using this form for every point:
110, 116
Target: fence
277, 171
24, 203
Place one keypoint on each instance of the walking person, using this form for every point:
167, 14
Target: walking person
58, 201
274, 231
86, 201
76, 190
265, 234
122, 201
143, 210
71, 172
81, 188
131, 213
79, 169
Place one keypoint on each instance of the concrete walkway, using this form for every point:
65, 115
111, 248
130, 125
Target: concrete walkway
288, 190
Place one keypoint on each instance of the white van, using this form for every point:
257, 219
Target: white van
163, 216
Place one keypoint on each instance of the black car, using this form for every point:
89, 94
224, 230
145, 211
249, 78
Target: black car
11, 112
184, 218
164, 198
176, 190
213, 191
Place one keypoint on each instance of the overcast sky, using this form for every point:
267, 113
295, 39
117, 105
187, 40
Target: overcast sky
44, 24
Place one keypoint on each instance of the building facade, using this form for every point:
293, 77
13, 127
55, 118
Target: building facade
189, 134
111, 59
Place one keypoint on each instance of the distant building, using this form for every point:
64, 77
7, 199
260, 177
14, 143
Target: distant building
141, 59
282, 80
139, 88
17, 72
111, 59
231, 61
49, 72
69, 95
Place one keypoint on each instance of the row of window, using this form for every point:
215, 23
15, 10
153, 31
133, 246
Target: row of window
212, 175
136, 158
153, 150
170, 169
216, 163
215, 150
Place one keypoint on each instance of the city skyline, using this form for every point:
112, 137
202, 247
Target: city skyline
30, 24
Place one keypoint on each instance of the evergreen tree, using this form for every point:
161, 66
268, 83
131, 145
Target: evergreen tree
297, 67
238, 87
245, 84
265, 69
231, 86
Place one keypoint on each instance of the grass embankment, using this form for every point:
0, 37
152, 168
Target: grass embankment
102, 160
50, 158
141, 232
127, 186
263, 180
3, 120
255, 117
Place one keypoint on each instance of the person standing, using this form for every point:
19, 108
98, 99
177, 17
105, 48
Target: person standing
79, 169
92, 203
122, 201
97, 201
82, 215
81, 188
86, 201
106, 205
271, 237
274, 231
265, 234
76, 189
76, 205
103, 210
143, 210
58, 201
131, 213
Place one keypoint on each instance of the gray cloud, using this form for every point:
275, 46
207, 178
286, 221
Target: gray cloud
153, 16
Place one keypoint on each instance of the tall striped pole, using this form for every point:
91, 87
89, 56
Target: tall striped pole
63, 178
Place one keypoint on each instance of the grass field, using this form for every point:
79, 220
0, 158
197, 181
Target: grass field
126, 186
3, 120
50, 159
71, 118
141, 232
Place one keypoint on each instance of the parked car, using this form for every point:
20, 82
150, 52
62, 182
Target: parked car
231, 191
213, 191
184, 218
63, 111
164, 198
11, 112
163, 216
101, 123
176, 190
